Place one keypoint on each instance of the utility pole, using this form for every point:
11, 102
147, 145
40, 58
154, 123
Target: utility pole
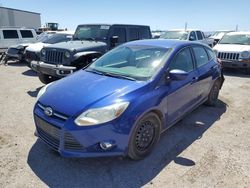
186, 24
236, 29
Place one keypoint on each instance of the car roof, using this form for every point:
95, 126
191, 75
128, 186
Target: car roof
163, 43
239, 33
115, 25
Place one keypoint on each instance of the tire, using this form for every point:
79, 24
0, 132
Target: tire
213, 94
44, 78
144, 137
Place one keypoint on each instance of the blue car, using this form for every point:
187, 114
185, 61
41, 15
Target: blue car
121, 103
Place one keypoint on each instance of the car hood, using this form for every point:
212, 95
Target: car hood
36, 47
231, 48
78, 45
82, 90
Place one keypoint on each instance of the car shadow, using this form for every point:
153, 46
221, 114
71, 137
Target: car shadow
29, 73
56, 171
236, 73
16, 63
35, 92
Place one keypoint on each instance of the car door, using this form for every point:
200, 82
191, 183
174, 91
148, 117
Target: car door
120, 32
205, 66
182, 94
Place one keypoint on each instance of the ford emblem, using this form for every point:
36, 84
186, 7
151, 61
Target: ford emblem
48, 111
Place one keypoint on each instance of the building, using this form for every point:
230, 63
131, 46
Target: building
19, 18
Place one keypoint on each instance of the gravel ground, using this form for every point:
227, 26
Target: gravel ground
209, 148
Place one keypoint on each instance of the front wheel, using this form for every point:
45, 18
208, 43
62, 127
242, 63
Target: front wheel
213, 94
144, 137
44, 78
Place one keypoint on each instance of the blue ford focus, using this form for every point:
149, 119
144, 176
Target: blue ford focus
120, 104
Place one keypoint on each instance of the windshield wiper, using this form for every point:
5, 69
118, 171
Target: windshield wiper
119, 76
94, 71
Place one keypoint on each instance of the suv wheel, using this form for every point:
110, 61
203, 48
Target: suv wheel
213, 94
144, 137
44, 78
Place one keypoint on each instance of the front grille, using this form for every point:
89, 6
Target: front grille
70, 143
48, 133
53, 56
55, 114
228, 56
31, 56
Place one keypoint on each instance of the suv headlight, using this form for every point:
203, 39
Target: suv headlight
67, 54
245, 54
42, 91
43, 52
105, 114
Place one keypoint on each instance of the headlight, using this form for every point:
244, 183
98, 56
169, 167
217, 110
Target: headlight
42, 91
43, 52
67, 54
245, 54
101, 115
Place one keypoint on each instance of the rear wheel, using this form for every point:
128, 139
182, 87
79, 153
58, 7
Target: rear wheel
144, 137
44, 78
214, 94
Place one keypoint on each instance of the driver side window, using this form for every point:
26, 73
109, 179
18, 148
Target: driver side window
182, 61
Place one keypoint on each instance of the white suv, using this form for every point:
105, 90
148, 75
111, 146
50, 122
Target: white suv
234, 50
12, 36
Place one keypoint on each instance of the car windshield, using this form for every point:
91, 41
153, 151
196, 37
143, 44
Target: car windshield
131, 62
180, 35
43, 37
91, 32
57, 38
242, 39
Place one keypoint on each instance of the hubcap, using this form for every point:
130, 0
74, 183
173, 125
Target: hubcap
145, 135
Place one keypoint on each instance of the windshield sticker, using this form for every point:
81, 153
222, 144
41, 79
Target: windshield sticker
105, 27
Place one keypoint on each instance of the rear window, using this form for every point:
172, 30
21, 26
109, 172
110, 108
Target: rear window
26, 34
121, 33
199, 35
211, 54
10, 34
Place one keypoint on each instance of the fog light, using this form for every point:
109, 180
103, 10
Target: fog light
106, 145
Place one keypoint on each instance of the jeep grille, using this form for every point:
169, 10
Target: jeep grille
228, 56
54, 56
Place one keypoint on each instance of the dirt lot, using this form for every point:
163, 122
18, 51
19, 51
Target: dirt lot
209, 148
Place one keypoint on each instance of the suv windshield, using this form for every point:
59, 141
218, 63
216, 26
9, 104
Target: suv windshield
131, 62
57, 38
91, 32
180, 35
243, 39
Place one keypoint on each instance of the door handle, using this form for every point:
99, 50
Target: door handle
194, 79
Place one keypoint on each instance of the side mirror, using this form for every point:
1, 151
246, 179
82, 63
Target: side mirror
114, 40
178, 75
191, 38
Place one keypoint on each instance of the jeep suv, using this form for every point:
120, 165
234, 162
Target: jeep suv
89, 42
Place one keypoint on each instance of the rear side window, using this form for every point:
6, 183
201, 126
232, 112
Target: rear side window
200, 56
133, 34
199, 35
10, 34
211, 54
182, 61
144, 33
26, 34
121, 33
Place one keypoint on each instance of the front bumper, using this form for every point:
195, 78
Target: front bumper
235, 64
52, 70
70, 140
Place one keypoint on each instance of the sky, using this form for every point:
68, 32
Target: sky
209, 15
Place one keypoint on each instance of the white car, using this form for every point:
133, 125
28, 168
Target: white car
234, 50
218, 35
12, 36
190, 35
